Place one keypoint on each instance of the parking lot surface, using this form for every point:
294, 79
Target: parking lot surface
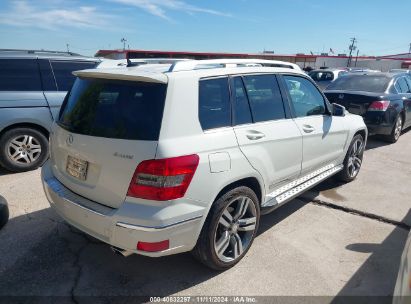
307, 247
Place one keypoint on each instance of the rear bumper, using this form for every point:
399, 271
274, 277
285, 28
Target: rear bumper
380, 129
131, 223
380, 122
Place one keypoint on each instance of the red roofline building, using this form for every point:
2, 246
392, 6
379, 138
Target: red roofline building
383, 63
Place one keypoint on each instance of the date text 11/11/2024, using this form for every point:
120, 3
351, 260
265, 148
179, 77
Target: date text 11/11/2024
203, 299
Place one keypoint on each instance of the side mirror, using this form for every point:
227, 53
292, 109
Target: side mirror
338, 110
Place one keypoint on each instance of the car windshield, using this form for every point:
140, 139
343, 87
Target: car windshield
365, 83
114, 109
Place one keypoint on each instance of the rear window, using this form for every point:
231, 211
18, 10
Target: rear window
63, 72
114, 109
366, 83
19, 75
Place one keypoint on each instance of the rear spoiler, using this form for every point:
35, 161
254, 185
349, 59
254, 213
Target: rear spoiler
116, 74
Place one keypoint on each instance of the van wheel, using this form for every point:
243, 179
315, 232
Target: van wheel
229, 229
23, 149
353, 160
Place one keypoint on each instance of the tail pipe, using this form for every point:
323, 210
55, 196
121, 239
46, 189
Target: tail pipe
124, 253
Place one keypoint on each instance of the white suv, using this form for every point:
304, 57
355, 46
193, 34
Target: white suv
159, 159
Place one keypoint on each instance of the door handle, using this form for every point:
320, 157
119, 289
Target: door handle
254, 135
308, 128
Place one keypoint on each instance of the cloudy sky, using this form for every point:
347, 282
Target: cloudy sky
283, 26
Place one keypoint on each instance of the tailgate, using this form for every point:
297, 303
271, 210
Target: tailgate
110, 164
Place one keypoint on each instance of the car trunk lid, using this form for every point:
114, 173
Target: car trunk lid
356, 102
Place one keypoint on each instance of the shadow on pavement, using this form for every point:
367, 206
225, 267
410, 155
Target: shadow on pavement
379, 272
4, 171
375, 141
380, 269
64, 260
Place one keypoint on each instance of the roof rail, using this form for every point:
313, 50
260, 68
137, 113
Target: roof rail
228, 63
38, 52
130, 62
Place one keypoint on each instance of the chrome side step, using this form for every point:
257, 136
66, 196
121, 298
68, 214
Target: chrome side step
295, 188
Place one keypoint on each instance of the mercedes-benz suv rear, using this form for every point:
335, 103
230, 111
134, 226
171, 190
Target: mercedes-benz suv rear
158, 159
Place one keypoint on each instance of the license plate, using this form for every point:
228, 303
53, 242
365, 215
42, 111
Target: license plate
355, 109
77, 167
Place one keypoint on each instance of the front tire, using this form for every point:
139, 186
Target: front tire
353, 160
23, 149
229, 230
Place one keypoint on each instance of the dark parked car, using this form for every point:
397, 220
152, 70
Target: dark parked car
383, 99
33, 85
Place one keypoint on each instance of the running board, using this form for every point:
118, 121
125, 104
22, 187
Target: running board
297, 187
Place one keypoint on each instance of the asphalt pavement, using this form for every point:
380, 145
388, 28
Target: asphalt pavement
335, 240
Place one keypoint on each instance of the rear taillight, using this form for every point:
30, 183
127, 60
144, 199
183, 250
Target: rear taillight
380, 105
163, 179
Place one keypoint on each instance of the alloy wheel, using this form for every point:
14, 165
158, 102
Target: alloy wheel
23, 149
398, 128
235, 229
355, 158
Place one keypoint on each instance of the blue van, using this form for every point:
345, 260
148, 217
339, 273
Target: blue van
33, 85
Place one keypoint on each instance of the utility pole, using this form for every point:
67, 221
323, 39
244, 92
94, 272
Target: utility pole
68, 49
356, 58
352, 48
409, 51
124, 40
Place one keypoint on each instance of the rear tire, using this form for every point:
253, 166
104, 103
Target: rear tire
4, 212
23, 149
396, 130
229, 230
353, 160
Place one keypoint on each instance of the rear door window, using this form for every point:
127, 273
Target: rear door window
265, 97
63, 72
19, 75
214, 103
114, 109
